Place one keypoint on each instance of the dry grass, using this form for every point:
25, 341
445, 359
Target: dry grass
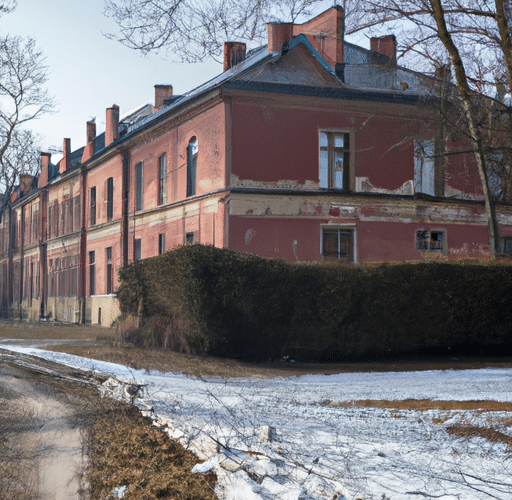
103, 344
467, 431
462, 430
426, 404
41, 331
127, 450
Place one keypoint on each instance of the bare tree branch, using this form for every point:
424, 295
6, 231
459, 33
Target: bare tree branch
23, 97
195, 30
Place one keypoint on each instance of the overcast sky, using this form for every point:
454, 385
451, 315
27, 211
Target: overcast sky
88, 72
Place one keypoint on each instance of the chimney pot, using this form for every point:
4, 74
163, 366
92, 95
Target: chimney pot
43, 176
278, 34
161, 93
234, 53
112, 126
385, 45
91, 131
25, 182
89, 146
66, 153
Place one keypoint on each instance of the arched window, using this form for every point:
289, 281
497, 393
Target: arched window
192, 149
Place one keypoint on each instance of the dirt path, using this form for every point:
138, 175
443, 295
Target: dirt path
44, 431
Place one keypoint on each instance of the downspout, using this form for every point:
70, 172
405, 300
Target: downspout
43, 263
10, 293
22, 259
125, 207
83, 245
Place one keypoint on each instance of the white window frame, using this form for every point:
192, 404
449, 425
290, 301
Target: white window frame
424, 167
331, 176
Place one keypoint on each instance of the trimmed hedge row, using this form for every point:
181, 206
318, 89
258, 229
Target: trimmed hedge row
245, 306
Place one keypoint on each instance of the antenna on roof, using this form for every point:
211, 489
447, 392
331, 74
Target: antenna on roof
54, 150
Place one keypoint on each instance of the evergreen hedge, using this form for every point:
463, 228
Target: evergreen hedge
248, 307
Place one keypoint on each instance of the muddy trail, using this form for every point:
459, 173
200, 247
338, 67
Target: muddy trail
43, 423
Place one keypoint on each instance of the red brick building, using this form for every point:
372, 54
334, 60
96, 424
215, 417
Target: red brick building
309, 148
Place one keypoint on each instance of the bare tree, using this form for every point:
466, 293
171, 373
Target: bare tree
21, 157
23, 97
474, 38
195, 30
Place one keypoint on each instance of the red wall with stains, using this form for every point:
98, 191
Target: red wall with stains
272, 143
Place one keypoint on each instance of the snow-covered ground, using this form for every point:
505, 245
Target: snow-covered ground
280, 439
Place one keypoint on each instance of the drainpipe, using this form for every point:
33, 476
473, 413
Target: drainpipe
22, 258
83, 245
125, 207
10, 293
43, 263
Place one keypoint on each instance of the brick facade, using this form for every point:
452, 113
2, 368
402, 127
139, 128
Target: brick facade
303, 150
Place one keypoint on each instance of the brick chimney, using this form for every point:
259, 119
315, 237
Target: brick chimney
43, 175
278, 34
161, 93
89, 145
325, 33
234, 53
385, 45
25, 183
66, 153
112, 125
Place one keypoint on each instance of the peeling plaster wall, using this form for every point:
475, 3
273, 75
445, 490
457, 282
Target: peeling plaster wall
385, 229
275, 143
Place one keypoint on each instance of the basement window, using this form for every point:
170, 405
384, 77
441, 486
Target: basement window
430, 241
507, 245
338, 244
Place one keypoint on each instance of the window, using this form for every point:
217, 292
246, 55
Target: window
192, 150
110, 276
139, 190
110, 198
430, 241
92, 273
92, 214
138, 249
334, 160
162, 179
35, 223
189, 238
76, 213
161, 243
507, 245
424, 167
338, 244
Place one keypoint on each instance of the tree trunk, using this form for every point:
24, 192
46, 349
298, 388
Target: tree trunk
466, 96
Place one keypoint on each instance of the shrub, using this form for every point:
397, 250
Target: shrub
224, 303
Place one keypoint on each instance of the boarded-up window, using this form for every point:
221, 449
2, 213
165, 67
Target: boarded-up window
338, 244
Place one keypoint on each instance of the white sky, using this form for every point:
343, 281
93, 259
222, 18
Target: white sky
88, 72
